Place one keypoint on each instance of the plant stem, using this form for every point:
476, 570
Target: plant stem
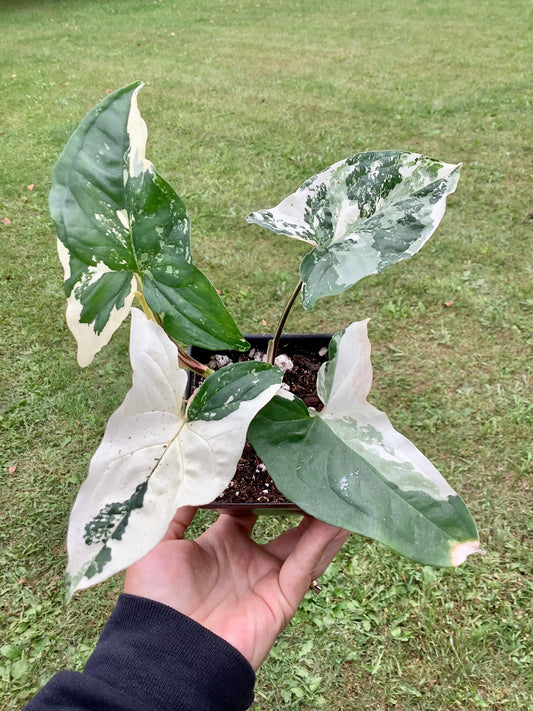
274, 343
189, 363
146, 309
185, 359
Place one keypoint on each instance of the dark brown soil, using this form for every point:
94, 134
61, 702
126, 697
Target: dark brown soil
302, 379
252, 482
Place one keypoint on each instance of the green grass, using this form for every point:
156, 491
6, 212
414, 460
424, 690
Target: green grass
244, 100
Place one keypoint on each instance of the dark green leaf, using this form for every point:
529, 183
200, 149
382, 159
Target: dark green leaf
180, 294
226, 389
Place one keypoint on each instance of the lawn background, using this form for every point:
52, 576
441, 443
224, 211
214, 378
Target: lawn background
244, 100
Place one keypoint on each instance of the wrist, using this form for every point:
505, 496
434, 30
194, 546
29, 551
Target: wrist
156, 654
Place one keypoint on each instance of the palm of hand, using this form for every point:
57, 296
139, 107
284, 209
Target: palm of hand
244, 592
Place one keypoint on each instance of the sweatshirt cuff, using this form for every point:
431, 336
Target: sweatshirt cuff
166, 660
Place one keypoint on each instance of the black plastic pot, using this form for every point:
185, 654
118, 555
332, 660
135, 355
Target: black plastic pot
290, 344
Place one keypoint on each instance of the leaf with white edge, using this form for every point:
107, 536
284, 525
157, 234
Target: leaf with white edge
362, 215
348, 466
119, 225
154, 457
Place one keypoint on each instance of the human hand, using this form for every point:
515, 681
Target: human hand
244, 592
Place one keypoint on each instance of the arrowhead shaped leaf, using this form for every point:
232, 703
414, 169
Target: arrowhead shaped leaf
349, 467
119, 224
154, 458
362, 215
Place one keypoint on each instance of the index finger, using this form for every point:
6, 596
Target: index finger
180, 523
311, 555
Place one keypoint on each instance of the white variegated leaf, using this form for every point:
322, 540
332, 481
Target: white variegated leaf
369, 432
362, 215
121, 227
88, 205
364, 428
348, 466
89, 339
155, 458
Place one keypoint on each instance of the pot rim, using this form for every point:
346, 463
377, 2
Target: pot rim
256, 508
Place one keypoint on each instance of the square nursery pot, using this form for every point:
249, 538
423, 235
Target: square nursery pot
307, 352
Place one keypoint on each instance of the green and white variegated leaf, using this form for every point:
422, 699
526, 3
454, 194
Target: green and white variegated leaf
348, 466
121, 227
362, 215
154, 458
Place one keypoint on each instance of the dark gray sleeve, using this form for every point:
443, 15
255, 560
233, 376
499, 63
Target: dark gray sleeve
152, 658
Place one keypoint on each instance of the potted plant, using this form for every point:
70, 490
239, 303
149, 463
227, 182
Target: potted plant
124, 235
299, 356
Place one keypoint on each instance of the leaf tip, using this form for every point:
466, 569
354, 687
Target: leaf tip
242, 345
71, 586
461, 551
84, 358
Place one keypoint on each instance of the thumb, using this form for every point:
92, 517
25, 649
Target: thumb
180, 523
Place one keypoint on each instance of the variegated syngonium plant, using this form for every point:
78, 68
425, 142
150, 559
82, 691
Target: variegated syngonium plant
123, 233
